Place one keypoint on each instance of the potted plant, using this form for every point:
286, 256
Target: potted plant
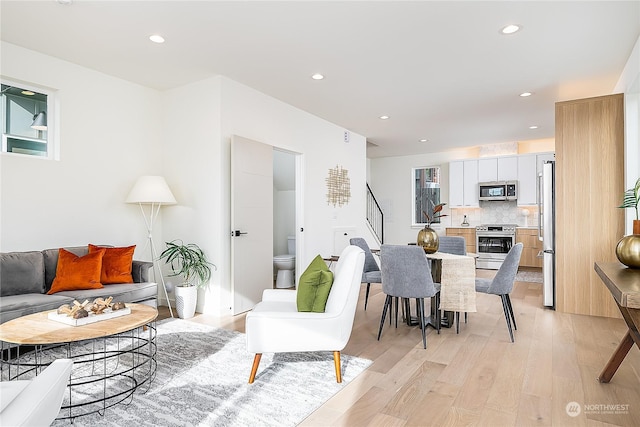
427, 237
190, 262
630, 199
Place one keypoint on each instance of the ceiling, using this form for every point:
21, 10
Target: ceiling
441, 71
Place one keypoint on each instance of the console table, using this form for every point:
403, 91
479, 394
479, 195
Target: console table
624, 285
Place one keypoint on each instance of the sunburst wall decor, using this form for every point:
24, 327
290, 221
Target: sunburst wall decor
338, 186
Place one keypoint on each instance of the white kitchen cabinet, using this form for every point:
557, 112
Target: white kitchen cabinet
543, 157
471, 183
487, 170
463, 184
529, 167
527, 179
498, 169
464, 176
456, 184
508, 168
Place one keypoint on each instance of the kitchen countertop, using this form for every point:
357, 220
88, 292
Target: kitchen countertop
472, 227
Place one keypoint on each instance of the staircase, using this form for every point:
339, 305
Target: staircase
375, 217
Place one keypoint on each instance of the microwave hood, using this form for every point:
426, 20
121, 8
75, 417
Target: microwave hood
498, 190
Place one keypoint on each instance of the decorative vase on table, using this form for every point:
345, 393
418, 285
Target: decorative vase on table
628, 248
428, 239
186, 299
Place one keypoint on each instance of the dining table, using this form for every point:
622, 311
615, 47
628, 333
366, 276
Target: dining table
457, 277
624, 285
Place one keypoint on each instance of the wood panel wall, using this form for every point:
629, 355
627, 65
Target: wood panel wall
589, 187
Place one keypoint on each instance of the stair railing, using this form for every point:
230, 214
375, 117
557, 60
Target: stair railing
375, 217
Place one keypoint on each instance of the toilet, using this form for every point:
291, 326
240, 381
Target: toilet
285, 265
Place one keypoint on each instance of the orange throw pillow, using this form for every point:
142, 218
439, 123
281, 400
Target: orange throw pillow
116, 264
75, 273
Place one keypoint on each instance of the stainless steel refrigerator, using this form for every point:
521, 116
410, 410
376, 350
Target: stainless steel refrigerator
546, 232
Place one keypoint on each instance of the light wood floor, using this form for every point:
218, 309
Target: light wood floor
479, 377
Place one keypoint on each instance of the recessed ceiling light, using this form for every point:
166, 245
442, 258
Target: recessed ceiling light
156, 38
384, 117
317, 76
525, 94
510, 29
27, 92
424, 140
533, 127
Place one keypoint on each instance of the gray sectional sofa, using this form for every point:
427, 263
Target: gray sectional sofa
26, 277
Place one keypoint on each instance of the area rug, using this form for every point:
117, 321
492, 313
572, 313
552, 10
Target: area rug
529, 276
201, 380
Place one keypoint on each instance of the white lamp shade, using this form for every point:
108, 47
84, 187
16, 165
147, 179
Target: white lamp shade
40, 121
151, 189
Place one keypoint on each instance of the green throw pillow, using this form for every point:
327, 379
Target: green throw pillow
314, 286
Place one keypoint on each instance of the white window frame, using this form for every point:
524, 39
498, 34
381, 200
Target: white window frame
420, 222
53, 149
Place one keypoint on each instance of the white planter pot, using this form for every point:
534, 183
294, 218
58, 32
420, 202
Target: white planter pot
186, 299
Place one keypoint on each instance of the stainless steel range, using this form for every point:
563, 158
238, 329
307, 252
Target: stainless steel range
493, 242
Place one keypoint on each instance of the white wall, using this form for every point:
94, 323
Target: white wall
284, 219
113, 131
284, 200
109, 135
390, 177
629, 84
194, 167
391, 183
199, 120
251, 114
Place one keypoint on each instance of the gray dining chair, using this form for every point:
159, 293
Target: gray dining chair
371, 273
502, 284
456, 245
406, 274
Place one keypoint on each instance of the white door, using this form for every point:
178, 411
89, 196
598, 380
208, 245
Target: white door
251, 222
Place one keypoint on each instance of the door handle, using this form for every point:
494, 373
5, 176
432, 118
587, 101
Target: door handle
539, 203
237, 233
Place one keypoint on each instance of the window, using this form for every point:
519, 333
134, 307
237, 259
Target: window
26, 120
426, 192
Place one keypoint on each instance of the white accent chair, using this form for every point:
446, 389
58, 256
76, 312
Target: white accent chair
35, 402
275, 325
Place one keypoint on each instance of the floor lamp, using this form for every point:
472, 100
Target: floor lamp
154, 192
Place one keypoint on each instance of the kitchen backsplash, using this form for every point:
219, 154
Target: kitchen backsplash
495, 212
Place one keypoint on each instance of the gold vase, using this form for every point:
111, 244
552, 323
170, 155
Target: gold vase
628, 250
428, 239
